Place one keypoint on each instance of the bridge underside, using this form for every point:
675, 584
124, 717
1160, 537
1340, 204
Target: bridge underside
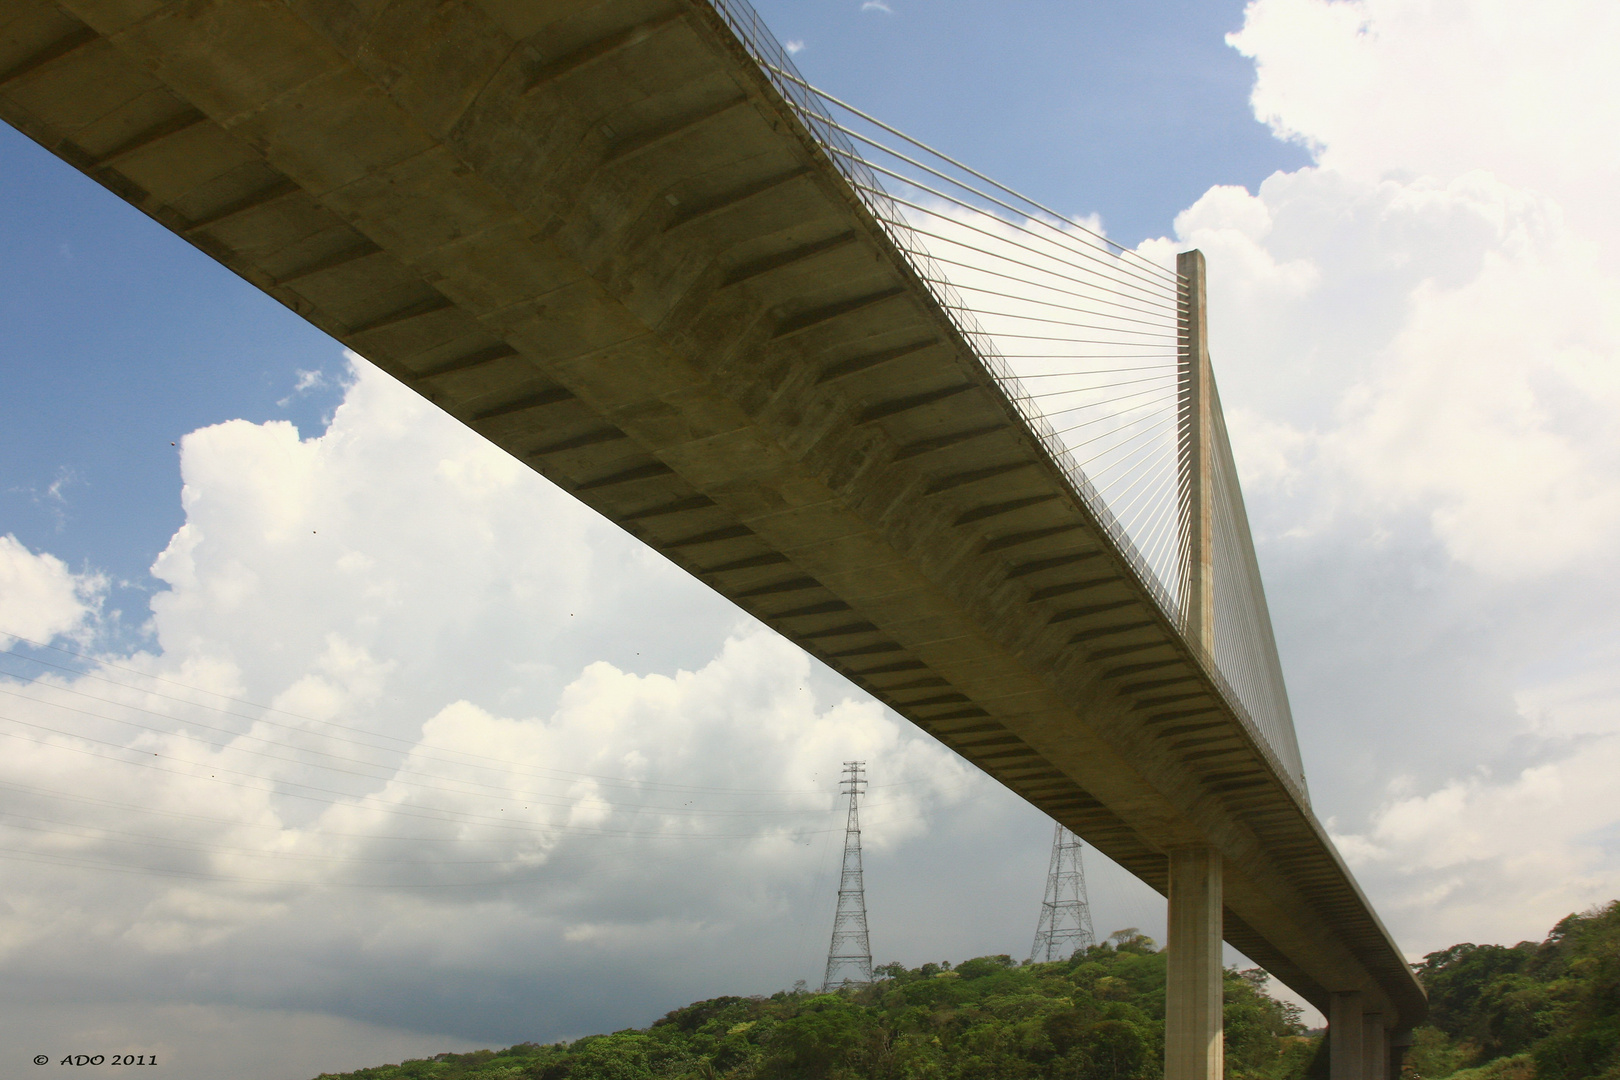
592, 231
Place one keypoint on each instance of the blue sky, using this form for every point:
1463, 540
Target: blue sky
1418, 341
121, 337
1127, 111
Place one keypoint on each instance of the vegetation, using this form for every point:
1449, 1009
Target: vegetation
1530, 1012
1099, 1016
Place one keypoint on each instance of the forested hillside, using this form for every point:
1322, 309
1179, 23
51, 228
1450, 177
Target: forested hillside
1548, 1011
1099, 1016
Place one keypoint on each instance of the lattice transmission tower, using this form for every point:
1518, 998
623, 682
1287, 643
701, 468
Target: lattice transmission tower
1065, 926
849, 958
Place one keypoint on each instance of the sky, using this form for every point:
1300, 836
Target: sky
334, 736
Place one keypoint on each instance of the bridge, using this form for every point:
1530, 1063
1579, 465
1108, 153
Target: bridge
961, 449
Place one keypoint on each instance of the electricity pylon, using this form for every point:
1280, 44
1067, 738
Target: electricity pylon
1065, 926
849, 958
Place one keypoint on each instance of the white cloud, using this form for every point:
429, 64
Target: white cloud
277, 528
1496, 859
40, 598
54, 497
481, 761
1505, 853
1418, 339
1521, 90
1446, 347
1419, 348
308, 380
303, 383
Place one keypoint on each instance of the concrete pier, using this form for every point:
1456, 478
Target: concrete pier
1194, 1048
1345, 1037
1374, 1047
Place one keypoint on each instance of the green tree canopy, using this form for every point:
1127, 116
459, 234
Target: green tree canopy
1549, 1011
1096, 1016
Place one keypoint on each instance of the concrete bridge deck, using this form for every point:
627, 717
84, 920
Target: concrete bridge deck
594, 232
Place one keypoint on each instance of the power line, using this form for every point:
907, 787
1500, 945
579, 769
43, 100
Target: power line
403, 744
281, 787
849, 957
416, 779
1065, 926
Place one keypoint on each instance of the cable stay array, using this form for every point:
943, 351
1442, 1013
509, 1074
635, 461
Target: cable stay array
1089, 341
1056, 311
1086, 338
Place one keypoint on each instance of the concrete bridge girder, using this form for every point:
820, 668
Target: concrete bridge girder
594, 233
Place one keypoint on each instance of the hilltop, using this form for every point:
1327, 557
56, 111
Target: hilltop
1098, 1016
1547, 1011
1531, 1011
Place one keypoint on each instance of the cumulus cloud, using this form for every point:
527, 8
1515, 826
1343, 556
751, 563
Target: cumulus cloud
1376, 86
392, 747
1508, 844
304, 381
1418, 339
1446, 347
413, 741
40, 598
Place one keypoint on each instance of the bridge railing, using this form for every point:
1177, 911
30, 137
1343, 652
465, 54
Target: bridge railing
1083, 337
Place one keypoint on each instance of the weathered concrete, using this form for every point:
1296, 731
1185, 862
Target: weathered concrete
1194, 1047
1346, 1034
1197, 451
1374, 1047
592, 231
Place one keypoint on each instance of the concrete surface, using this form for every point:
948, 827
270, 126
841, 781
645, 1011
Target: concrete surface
592, 231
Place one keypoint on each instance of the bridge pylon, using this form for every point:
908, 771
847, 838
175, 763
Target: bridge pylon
1194, 1042
671, 276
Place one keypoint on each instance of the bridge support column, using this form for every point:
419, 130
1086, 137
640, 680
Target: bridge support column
1374, 1047
1399, 1043
1193, 1043
1346, 1030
